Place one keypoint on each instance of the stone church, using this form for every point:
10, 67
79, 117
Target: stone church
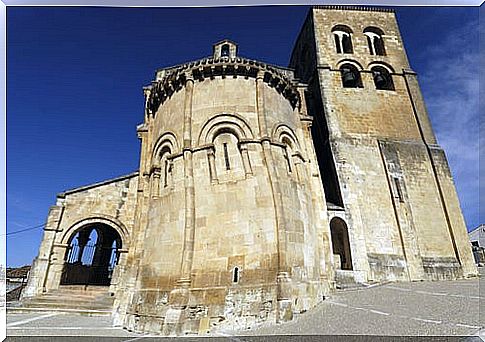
262, 188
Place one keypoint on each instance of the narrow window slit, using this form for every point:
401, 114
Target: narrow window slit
226, 157
165, 174
235, 275
400, 196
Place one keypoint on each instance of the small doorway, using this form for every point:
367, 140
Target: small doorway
340, 243
92, 256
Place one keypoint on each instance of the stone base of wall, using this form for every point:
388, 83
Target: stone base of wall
211, 309
442, 268
35, 283
387, 267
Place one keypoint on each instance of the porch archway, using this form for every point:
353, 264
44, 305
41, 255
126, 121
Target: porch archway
92, 255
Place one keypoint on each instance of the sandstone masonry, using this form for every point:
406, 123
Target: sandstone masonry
262, 188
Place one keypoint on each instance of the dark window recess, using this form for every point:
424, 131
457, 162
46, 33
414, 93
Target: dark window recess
399, 193
382, 78
369, 43
225, 50
350, 76
379, 46
235, 275
343, 39
165, 174
226, 157
375, 41
337, 43
347, 44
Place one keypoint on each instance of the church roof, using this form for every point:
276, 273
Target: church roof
477, 228
95, 185
170, 79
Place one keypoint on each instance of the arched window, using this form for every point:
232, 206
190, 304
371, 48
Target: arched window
225, 50
343, 39
375, 41
350, 76
382, 78
165, 167
228, 159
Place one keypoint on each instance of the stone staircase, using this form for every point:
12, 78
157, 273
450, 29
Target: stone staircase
345, 280
80, 299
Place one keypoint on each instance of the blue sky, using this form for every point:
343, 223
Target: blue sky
75, 77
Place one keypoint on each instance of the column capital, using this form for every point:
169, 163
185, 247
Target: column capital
156, 171
189, 77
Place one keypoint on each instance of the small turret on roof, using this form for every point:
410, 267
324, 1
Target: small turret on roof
225, 48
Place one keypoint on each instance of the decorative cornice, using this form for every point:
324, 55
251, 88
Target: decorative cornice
354, 8
174, 79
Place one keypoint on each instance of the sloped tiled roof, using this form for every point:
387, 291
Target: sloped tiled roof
18, 272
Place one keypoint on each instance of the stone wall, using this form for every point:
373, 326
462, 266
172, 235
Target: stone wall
227, 223
111, 202
236, 222
403, 216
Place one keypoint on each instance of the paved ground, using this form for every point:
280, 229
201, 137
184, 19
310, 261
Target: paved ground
446, 308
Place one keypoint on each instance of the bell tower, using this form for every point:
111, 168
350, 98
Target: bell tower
382, 169
224, 48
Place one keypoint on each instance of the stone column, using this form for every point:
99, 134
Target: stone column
155, 189
298, 161
189, 229
284, 308
126, 288
82, 239
179, 296
56, 266
245, 159
212, 165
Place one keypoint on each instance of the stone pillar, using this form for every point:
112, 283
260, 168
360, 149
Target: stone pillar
155, 188
56, 266
245, 159
298, 161
189, 229
126, 288
442, 175
36, 284
283, 280
212, 165
118, 272
83, 239
179, 296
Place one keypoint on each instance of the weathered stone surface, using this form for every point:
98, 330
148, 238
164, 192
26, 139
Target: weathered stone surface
260, 187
